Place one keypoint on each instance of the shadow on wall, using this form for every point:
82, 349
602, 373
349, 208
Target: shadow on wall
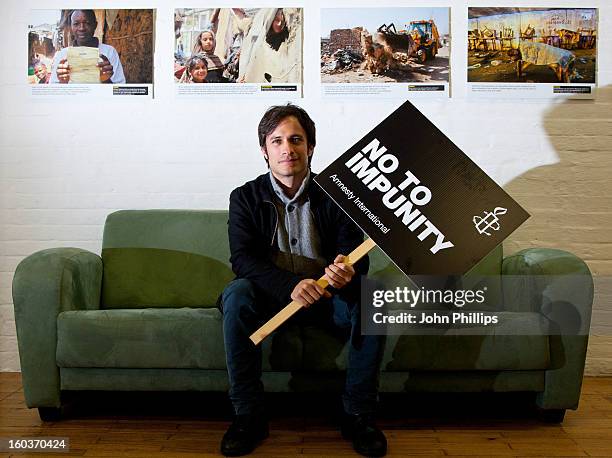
571, 205
571, 201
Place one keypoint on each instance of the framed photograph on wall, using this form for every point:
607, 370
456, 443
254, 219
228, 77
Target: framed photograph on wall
104, 53
385, 52
532, 52
243, 52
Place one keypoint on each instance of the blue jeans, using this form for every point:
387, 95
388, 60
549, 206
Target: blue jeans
244, 312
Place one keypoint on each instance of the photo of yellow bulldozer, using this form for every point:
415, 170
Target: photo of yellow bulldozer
422, 39
385, 45
426, 37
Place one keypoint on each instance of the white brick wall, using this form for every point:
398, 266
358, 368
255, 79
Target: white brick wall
64, 167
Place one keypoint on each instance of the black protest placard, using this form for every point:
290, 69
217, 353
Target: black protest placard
429, 207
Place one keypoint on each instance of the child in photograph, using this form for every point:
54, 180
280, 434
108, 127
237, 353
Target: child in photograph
196, 70
41, 72
205, 45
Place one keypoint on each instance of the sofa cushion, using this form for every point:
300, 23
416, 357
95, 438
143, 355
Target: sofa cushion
182, 338
143, 338
193, 338
160, 338
503, 347
164, 258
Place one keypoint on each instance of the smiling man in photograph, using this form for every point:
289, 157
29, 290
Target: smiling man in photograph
284, 232
82, 25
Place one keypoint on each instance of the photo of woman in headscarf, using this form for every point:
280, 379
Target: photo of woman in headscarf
242, 45
278, 31
272, 50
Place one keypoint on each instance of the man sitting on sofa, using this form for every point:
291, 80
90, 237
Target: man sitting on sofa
284, 231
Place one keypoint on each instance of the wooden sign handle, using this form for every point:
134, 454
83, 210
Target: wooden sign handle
294, 306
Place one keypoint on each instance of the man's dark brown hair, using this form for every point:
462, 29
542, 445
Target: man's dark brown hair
275, 115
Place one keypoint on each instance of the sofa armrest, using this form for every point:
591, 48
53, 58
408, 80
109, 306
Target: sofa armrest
559, 285
544, 261
46, 283
555, 283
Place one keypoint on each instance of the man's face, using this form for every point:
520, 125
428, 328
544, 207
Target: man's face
207, 41
287, 149
82, 28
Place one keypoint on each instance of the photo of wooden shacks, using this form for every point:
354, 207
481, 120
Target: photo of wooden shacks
532, 45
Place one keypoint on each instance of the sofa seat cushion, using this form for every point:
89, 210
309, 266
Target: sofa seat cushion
517, 343
162, 338
193, 338
184, 338
141, 338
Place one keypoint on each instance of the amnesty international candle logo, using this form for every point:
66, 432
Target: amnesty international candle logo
415, 193
490, 221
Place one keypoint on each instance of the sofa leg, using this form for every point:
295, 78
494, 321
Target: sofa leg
551, 415
50, 413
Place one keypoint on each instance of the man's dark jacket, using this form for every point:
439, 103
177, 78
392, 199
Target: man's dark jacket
253, 220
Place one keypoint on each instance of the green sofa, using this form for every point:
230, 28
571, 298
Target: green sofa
143, 317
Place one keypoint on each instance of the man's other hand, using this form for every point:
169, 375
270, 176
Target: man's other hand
308, 291
339, 274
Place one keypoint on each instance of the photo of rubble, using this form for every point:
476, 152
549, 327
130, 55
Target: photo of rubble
532, 45
385, 45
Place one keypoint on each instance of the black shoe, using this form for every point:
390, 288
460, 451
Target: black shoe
243, 435
367, 439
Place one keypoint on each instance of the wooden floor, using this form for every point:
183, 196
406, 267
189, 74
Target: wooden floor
155, 425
